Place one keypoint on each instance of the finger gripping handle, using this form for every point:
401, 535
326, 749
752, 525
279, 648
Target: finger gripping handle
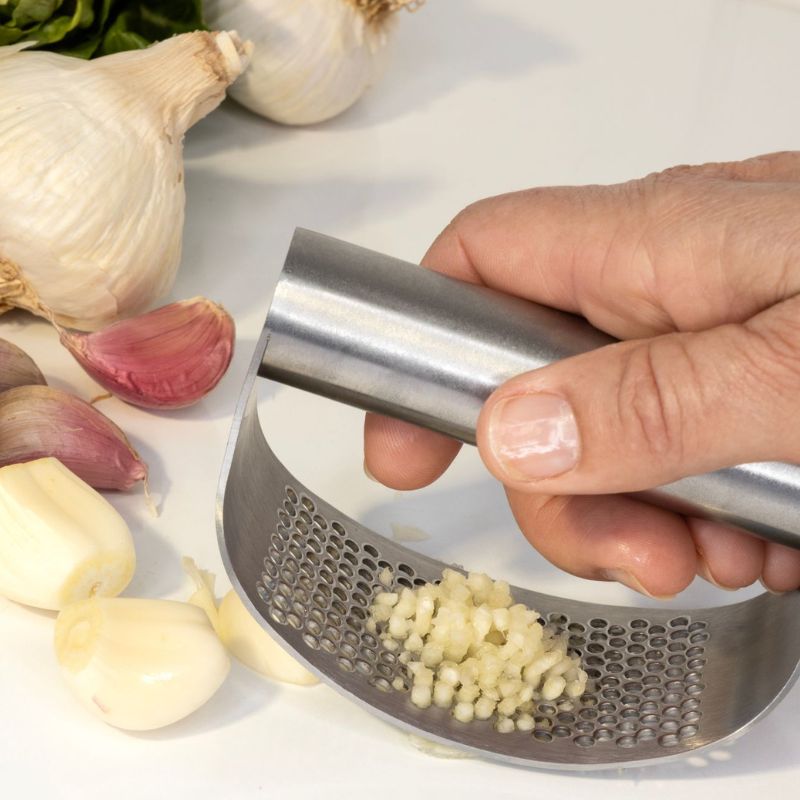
384, 335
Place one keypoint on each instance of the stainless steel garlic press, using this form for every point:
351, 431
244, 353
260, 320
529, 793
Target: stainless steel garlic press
387, 336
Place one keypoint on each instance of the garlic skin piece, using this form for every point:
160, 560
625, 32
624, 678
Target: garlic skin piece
311, 60
168, 358
60, 541
91, 172
255, 648
17, 368
139, 664
40, 421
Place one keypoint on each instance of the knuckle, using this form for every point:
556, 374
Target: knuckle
652, 398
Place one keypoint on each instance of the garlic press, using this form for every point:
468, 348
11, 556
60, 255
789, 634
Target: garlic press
387, 336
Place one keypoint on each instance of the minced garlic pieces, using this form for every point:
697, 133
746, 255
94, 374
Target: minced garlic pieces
468, 647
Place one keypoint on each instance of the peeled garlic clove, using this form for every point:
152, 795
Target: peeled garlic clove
167, 358
91, 172
139, 664
40, 421
253, 646
203, 595
311, 60
60, 541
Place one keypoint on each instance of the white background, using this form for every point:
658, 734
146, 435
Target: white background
482, 96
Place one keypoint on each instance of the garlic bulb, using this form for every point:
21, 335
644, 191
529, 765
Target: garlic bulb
60, 541
312, 59
91, 172
139, 664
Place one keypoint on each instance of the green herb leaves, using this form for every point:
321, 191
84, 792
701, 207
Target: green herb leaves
89, 28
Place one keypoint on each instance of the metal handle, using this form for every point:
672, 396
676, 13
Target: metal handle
384, 335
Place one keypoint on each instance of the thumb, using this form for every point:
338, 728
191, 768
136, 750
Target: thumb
639, 414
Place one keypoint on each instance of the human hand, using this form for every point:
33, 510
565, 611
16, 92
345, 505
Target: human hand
698, 270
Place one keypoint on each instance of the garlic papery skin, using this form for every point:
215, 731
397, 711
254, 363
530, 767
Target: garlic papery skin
254, 647
167, 358
139, 664
91, 172
311, 59
60, 541
17, 368
40, 421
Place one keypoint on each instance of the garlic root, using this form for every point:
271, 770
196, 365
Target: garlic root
40, 421
60, 541
139, 664
168, 358
91, 172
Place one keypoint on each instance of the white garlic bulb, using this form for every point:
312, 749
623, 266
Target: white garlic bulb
91, 172
312, 59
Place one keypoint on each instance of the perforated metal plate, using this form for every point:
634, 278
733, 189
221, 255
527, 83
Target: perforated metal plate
646, 678
662, 683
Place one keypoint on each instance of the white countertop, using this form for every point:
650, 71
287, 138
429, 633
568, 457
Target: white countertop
482, 96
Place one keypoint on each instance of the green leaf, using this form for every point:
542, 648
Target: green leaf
89, 28
30, 12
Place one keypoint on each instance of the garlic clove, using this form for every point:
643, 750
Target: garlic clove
203, 595
91, 172
167, 358
139, 664
17, 368
254, 647
311, 60
60, 541
40, 421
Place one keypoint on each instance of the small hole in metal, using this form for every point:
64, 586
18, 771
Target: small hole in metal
576, 627
669, 740
626, 741
363, 666
584, 741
